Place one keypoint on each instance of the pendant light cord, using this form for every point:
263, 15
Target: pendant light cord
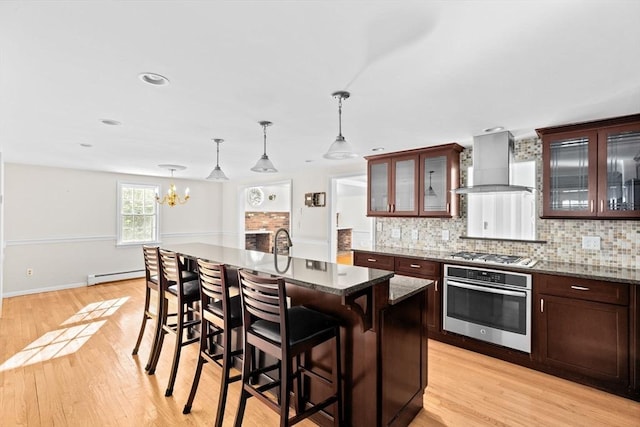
340, 115
264, 130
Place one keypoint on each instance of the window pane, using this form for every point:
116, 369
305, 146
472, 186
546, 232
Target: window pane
138, 201
138, 214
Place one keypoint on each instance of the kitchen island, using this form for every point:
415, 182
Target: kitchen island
383, 328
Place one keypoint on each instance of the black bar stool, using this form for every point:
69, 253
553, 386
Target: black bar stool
175, 288
152, 283
219, 315
286, 334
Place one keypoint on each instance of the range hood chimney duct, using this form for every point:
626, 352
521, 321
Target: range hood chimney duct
492, 159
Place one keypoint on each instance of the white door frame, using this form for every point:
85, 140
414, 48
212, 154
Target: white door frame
333, 202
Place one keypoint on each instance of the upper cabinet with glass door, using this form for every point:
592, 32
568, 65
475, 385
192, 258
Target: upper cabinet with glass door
414, 182
439, 174
592, 169
393, 186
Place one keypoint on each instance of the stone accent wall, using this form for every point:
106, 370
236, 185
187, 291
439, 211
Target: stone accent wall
620, 239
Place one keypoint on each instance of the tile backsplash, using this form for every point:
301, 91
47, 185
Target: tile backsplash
620, 239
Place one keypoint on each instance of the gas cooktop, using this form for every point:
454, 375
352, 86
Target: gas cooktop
486, 258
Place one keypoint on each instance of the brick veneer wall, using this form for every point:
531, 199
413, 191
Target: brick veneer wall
270, 221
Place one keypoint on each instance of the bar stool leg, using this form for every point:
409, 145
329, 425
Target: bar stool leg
143, 325
247, 362
196, 381
176, 355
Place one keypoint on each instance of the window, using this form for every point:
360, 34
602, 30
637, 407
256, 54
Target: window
137, 214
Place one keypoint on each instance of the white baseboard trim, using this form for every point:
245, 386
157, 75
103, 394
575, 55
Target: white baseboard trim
40, 290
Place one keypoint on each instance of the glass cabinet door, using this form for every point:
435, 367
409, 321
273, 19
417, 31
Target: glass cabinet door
405, 186
379, 187
619, 178
571, 164
435, 195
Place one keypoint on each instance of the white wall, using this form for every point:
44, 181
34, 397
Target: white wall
62, 224
309, 226
280, 203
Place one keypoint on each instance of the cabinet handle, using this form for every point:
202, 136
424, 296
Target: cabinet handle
389, 207
436, 286
591, 206
579, 288
414, 265
372, 260
393, 207
541, 305
601, 205
447, 207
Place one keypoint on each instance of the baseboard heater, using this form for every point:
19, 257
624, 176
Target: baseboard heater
94, 279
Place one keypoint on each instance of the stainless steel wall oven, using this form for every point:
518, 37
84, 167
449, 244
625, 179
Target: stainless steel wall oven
489, 305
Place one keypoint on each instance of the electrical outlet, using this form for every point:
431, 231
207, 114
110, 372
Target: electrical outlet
591, 243
395, 233
29, 271
445, 234
414, 234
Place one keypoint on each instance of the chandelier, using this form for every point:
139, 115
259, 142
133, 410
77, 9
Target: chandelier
172, 198
340, 149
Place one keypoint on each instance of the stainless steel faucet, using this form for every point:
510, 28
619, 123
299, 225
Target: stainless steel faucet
275, 240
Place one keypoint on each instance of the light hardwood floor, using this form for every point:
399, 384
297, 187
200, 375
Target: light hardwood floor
66, 361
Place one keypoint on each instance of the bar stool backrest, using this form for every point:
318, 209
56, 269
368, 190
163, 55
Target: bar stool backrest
264, 298
151, 263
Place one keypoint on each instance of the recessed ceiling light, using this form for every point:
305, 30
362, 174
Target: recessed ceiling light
153, 79
110, 122
378, 149
494, 129
85, 145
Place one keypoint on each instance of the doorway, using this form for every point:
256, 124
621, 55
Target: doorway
349, 225
263, 210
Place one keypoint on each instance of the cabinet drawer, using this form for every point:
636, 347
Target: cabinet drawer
417, 267
585, 289
381, 262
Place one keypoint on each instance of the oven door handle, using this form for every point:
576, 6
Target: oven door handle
487, 289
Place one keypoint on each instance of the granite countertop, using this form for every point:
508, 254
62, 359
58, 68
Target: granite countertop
338, 279
403, 287
608, 274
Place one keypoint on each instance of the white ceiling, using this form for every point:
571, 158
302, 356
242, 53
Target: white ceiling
420, 73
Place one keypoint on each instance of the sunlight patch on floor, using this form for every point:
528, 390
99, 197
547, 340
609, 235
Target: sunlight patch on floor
65, 341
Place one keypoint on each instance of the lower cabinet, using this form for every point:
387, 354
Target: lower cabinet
413, 267
583, 329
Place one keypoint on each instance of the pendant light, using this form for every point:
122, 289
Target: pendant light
340, 149
217, 174
430, 191
263, 164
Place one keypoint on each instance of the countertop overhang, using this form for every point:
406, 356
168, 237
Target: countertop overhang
338, 279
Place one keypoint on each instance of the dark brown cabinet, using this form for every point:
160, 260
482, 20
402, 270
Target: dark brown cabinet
583, 328
413, 267
439, 174
415, 182
393, 186
592, 169
425, 269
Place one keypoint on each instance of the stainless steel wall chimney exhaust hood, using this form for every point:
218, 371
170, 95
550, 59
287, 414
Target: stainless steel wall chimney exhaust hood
492, 159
